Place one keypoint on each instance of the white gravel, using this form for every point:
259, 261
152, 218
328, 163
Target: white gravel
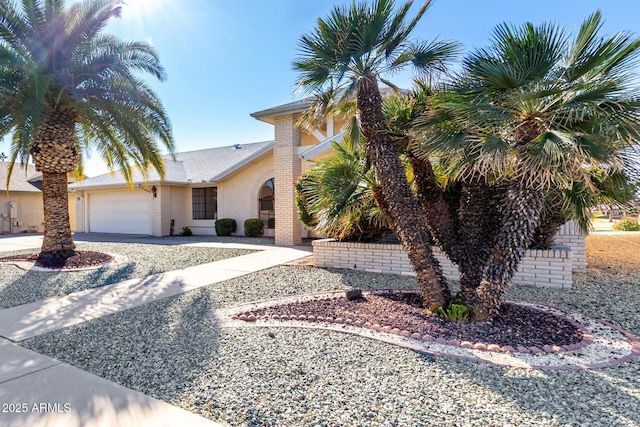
609, 345
172, 350
18, 286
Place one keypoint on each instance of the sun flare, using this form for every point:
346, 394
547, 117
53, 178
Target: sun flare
143, 8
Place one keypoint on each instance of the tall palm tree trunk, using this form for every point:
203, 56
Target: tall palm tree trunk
520, 214
57, 227
399, 205
55, 154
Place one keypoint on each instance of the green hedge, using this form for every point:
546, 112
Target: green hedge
253, 227
226, 226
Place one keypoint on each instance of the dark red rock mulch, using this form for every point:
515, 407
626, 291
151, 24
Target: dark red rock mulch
514, 326
81, 259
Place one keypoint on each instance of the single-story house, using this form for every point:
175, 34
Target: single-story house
240, 181
21, 208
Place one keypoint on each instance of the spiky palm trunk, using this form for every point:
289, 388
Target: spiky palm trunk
397, 201
554, 214
55, 154
464, 237
436, 211
520, 213
476, 211
57, 227
545, 233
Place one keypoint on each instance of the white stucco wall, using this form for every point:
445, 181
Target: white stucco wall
237, 198
238, 195
30, 213
180, 208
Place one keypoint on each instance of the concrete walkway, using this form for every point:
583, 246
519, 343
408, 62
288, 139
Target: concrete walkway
36, 390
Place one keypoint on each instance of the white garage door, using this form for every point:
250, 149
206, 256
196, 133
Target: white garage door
124, 211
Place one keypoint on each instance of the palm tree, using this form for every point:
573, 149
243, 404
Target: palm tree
64, 87
535, 111
350, 52
336, 197
575, 202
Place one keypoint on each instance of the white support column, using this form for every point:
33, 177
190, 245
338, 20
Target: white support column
330, 131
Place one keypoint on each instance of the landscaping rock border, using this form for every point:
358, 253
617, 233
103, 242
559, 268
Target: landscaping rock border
30, 265
603, 344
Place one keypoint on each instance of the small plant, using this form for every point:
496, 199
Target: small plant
456, 312
626, 224
186, 231
226, 226
253, 227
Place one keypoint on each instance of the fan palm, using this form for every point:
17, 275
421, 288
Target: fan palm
350, 52
575, 202
534, 111
65, 87
336, 197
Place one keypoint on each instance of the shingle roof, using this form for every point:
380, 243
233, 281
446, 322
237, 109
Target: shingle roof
269, 114
20, 182
209, 165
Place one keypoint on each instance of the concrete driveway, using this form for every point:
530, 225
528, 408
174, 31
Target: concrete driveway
19, 242
15, 242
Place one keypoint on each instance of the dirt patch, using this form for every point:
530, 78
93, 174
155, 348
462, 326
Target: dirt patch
82, 259
620, 252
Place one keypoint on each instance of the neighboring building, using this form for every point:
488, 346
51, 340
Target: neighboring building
21, 208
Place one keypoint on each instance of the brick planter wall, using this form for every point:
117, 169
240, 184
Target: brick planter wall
572, 237
543, 268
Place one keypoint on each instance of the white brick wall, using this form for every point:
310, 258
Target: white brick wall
570, 236
543, 268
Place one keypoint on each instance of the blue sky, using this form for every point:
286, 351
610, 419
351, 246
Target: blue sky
227, 59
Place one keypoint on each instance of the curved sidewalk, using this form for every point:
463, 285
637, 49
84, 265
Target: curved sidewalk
36, 390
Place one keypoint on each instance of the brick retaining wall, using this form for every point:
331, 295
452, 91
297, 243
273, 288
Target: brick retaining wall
543, 268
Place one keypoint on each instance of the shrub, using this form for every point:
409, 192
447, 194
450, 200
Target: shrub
186, 231
626, 224
253, 227
226, 226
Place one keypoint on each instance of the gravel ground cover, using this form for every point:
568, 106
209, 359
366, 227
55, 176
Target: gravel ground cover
514, 325
173, 350
266, 241
18, 286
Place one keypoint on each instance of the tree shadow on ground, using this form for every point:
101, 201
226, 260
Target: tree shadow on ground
21, 287
32, 286
159, 348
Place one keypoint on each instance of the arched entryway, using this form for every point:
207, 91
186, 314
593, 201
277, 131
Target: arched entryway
266, 204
